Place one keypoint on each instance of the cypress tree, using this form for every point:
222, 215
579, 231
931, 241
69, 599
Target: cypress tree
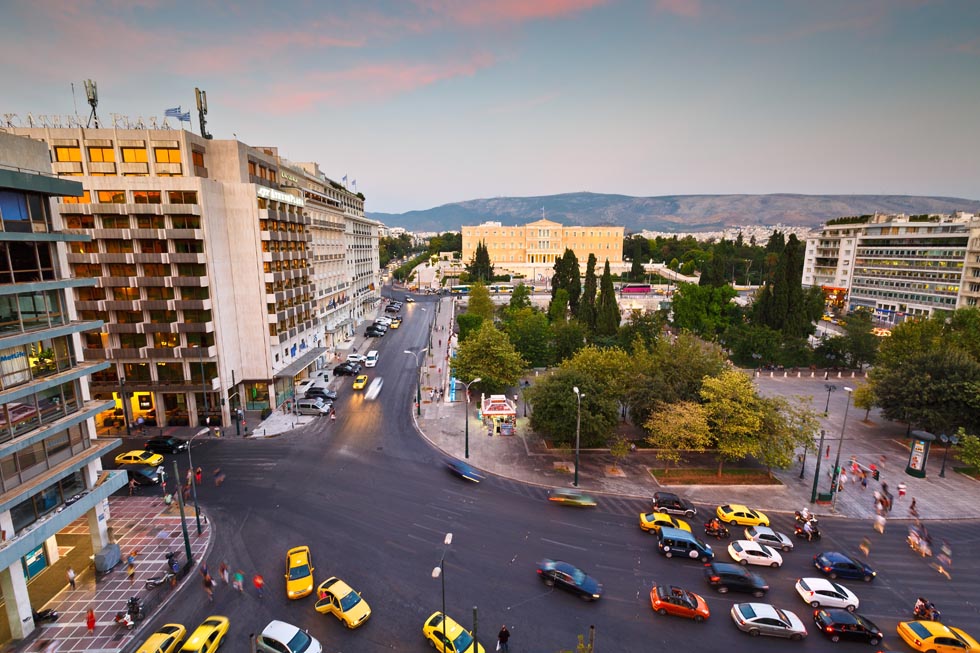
586, 305
573, 280
607, 318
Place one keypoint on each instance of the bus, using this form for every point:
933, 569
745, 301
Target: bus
501, 288
636, 289
460, 290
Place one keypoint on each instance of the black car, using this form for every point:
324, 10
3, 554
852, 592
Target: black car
347, 369
142, 474
392, 309
165, 445
839, 624
320, 392
726, 576
672, 504
567, 577
374, 333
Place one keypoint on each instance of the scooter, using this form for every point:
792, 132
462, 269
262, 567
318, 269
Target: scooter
800, 533
123, 619
172, 561
802, 519
43, 616
720, 531
157, 581
928, 612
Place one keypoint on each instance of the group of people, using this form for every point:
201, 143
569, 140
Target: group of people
236, 580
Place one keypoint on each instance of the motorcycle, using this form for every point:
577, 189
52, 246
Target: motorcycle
172, 561
814, 532
720, 531
123, 619
157, 581
135, 609
804, 518
928, 612
43, 616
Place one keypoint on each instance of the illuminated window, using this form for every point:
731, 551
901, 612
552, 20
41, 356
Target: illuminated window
182, 197
90, 247
156, 270
134, 155
84, 199
166, 155
111, 197
88, 271
126, 294
64, 153
101, 155
132, 340
146, 197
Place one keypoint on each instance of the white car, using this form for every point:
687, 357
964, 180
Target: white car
280, 637
303, 386
383, 320
747, 552
356, 358
769, 537
765, 619
374, 389
825, 593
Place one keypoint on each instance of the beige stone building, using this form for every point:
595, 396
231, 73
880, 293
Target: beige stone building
532, 249
221, 273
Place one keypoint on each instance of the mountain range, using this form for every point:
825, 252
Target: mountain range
670, 213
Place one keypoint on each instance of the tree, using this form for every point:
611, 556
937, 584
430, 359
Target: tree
558, 308
468, 324
521, 298
864, 398
489, 354
782, 304
645, 327
968, 450
607, 313
569, 337
785, 427
556, 408
704, 310
734, 415
675, 428
479, 302
637, 273
609, 369
480, 268
531, 335
566, 277
586, 305
861, 343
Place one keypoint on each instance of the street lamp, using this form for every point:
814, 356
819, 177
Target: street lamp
840, 444
467, 409
816, 470
578, 429
418, 384
948, 440
122, 387
830, 388
197, 508
437, 572
204, 387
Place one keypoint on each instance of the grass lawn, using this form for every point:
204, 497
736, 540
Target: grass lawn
703, 476
972, 472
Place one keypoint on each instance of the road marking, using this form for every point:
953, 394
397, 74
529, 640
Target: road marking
570, 546
571, 525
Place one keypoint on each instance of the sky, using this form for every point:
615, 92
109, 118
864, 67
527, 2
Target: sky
427, 102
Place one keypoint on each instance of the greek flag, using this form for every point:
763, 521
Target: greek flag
345, 180
173, 113
185, 117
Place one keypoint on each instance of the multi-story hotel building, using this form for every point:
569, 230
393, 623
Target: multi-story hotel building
205, 268
896, 266
49, 456
533, 248
970, 288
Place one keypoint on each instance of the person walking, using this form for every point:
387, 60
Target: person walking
70, 574
223, 571
90, 621
219, 477
198, 475
913, 510
209, 588
902, 488
259, 584
130, 573
502, 637
238, 581
866, 547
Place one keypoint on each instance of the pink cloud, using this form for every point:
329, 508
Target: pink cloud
683, 8
970, 47
484, 12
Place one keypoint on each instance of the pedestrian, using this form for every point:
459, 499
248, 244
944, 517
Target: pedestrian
198, 475
913, 512
866, 547
238, 581
902, 488
132, 486
219, 477
190, 475
259, 584
880, 523
90, 621
204, 570
502, 638
187, 491
864, 480
827, 454
209, 588
843, 477
223, 571
70, 574
131, 572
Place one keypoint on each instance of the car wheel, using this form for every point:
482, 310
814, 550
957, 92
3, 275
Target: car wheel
689, 514
796, 637
722, 589
662, 611
867, 579
432, 643
754, 632
835, 638
743, 562
932, 650
851, 608
873, 641
758, 594
698, 619
814, 604
833, 576
705, 558
774, 565
786, 549
550, 582
585, 597
669, 554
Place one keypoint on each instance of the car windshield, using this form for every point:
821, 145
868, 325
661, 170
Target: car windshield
302, 571
300, 642
462, 641
349, 601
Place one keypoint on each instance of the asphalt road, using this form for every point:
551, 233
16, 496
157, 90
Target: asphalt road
373, 501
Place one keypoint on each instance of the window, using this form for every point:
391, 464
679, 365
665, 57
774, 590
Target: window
170, 372
182, 197
65, 153
132, 341
197, 317
159, 293
87, 247
118, 246
150, 222
126, 294
189, 246
153, 246
134, 155
195, 293
186, 221
101, 155
166, 155
111, 197
129, 317
163, 317
122, 270
88, 270
198, 158
166, 340
84, 199
80, 221
156, 270
90, 294
146, 197
115, 222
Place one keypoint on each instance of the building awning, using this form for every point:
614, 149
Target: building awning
301, 363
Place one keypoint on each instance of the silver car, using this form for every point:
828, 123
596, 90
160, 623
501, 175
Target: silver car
769, 537
764, 619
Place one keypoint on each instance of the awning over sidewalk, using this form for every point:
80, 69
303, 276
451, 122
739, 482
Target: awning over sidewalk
301, 363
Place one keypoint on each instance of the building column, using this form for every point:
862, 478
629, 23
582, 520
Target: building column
98, 515
17, 602
51, 550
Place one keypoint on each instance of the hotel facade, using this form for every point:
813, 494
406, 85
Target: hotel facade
223, 273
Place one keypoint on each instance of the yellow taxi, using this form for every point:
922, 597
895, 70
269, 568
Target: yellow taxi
139, 457
207, 638
738, 515
164, 640
360, 381
934, 636
397, 322
447, 636
336, 597
652, 521
299, 572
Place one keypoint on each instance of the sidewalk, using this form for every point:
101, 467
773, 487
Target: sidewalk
525, 458
141, 523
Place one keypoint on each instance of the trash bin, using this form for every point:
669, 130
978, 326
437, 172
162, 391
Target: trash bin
825, 497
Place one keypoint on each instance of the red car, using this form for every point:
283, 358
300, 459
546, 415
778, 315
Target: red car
668, 599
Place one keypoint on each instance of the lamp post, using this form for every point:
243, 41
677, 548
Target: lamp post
437, 572
467, 409
830, 389
122, 388
948, 440
190, 462
578, 429
183, 520
840, 444
204, 387
418, 383
816, 470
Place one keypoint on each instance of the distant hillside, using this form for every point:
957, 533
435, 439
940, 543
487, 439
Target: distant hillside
670, 212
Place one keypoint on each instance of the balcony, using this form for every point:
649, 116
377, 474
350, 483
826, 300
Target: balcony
195, 327
158, 327
194, 282
124, 328
67, 167
168, 169
134, 168
188, 258
121, 305
154, 282
194, 353
192, 304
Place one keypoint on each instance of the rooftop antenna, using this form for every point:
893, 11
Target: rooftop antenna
202, 110
92, 93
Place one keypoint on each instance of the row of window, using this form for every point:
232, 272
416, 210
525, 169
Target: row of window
23, 262
138, 197
99, 270
281, 266
921, 299
24, 212
283, 246
30, 311
143, 246
99, 154
143, 372
262, 172
150, 293
25, 363
34, 410
50, 498
134, 341
128, 222
287, 304
282, 226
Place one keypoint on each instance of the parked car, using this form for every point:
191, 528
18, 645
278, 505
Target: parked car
142, 474
568, 577
373, 333
839, 624
355, 358
166, 444
673, 504
347, 369
727, 576
319, 392
765, 619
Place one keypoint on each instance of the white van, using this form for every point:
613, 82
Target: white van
372, 358
314, 406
